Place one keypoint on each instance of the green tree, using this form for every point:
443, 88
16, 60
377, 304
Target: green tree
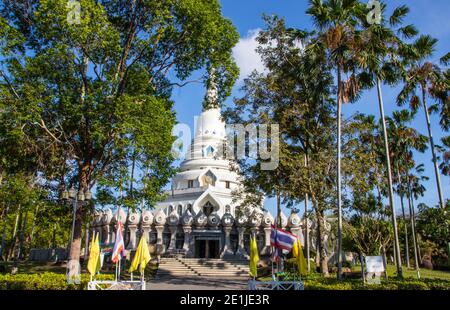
86, 96
296, 94
444, 157
425, 80
403, 140
433, 224
377, 55
337, 21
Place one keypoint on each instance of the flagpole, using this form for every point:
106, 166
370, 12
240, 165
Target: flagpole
118, 273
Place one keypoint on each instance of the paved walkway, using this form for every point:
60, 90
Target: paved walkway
197, 283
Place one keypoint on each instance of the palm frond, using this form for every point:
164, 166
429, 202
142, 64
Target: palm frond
398, 15
408, 31
445, 59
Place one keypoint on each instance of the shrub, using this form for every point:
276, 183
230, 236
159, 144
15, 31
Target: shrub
44, 281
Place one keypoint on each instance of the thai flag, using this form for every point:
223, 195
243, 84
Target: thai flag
282, 239
276, 255
119, 246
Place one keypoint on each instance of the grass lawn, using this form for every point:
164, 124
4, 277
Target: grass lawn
411, 273
424, 273
60, 268
33, 267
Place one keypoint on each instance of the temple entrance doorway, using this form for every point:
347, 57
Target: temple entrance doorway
207, 248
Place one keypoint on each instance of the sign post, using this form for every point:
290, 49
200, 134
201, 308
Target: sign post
375, 266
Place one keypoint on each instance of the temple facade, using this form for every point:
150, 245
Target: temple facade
200, 218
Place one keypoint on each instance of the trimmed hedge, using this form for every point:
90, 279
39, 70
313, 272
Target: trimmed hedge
391, 284
44, 281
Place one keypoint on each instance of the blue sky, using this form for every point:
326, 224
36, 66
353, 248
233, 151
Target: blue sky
430, 17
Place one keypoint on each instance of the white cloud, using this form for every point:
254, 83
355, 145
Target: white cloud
246, 56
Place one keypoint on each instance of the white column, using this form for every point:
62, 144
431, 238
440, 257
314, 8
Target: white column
132, 242
266, 249
241, 250
159, 240
187, 241
173, 238
227, 251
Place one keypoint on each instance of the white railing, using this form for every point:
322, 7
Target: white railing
254, 285
116, 285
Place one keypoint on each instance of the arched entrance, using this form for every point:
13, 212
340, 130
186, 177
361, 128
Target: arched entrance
208, 208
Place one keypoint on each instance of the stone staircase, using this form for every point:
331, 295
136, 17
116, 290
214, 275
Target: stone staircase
201, 267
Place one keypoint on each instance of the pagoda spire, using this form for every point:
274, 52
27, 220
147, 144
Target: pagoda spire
211, 100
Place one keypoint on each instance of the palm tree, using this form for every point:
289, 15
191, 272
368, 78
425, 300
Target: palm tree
427, 78
403, 140
444, 157
336, 19
415, 189
377, 54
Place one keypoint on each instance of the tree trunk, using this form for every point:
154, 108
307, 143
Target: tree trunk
278, 221
398, 262
339, 202
54, 237
75, 247
22, 236
32, 227
306, 225
2, 249
419, 255
86, 242
406, 233
125, 235
404, 222
433, 150
13, 239
413, 228
323, 262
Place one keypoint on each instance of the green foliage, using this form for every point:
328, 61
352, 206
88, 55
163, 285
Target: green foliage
433, 224
391, 284
81, 102
44, 281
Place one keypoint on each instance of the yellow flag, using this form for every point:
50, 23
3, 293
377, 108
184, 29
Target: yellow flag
254, 257
301, 262
94, 256
141, 257
295, 249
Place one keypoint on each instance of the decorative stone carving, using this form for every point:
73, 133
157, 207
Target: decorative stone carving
267, 219
255, 221
120, 215
241, 253
147, 221
294, 220
283, 219
107, 217
133, 218
97, 218
200, 220
213, 220
147, 218
241, 221
227, 220
187, 219
173, 218
247, 211
188, 244
133, 221
160, 218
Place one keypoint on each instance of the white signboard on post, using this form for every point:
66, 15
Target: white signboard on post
374, 269
374, 264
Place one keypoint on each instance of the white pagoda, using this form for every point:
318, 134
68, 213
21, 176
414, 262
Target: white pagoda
199, 218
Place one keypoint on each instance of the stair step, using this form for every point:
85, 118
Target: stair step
195, 267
